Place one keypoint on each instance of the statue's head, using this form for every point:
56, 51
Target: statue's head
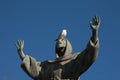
63, 46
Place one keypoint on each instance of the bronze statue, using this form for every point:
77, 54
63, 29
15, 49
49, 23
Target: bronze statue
66, 66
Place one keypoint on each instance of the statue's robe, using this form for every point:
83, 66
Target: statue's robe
68, 67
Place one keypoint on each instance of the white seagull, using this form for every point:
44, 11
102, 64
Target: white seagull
64, 32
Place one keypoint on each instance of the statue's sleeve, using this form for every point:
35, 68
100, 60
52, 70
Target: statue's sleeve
31, 66
87, 56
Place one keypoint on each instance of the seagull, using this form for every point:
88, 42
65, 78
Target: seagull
64, 32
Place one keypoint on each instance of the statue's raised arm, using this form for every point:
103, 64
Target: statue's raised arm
86, 58
29, 64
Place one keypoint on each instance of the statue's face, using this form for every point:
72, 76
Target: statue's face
61, 43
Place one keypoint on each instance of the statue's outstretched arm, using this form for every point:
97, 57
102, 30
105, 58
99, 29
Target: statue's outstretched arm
20, 46
88, 56
29, 64
93, 45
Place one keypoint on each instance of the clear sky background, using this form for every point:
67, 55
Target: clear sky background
39, 22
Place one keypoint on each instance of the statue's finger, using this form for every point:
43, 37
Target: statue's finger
23, 42
17, 46
91, 25
18, 42
97, 19
94, 20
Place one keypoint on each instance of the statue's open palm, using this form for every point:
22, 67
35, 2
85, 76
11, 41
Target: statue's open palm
20, 45
94, 24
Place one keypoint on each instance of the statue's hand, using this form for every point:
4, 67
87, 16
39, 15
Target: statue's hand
94, 24
20, 45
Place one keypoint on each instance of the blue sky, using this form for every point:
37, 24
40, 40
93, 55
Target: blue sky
39, 23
